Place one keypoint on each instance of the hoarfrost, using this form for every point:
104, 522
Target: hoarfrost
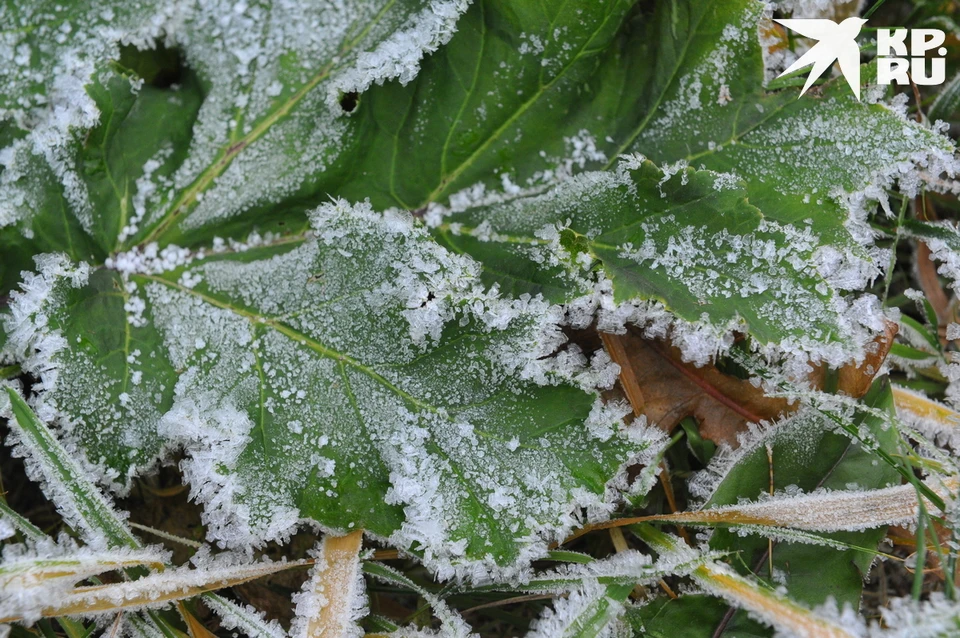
36, 574
819, 8
363, 350
274, 74
348, 605
907, 618
588, 605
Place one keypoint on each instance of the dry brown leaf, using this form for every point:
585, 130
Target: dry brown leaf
664, 388
660, 385
854, 380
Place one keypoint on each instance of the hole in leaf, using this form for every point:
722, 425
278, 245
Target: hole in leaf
159, 66
430, 297
349, 101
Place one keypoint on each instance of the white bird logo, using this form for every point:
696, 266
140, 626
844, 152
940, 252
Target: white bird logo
837, 42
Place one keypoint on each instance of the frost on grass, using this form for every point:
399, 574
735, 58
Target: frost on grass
359, 378
686, 239
334, 597
627, 568
157, 589
821, 510
586, 610
906, 618
452, 624
244, 618
274, 71
33, 576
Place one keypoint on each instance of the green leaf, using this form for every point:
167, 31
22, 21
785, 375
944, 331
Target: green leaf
360, 379
706, 104
763, 602
688, 239
142, 139
516, 95
690, 616
807, 454
269, 126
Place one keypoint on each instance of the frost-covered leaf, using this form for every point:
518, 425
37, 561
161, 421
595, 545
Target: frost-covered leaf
515, 98
806, 454
270, 76
360, 378
678, 81
689, 239
707, 105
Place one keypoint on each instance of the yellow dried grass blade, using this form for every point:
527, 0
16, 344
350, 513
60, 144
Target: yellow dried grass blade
767, 606
36, 572
819, 512
155, 589
194, 626
326, 607
924, 408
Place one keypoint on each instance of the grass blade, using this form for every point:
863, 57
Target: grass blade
155, 589
81, 503
244, 619
334, 597
839, 511
765, 605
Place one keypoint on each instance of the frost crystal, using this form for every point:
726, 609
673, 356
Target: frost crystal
587, 606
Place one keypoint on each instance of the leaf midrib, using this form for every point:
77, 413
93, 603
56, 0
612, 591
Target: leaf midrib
235, 147
297, 336
451, 177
